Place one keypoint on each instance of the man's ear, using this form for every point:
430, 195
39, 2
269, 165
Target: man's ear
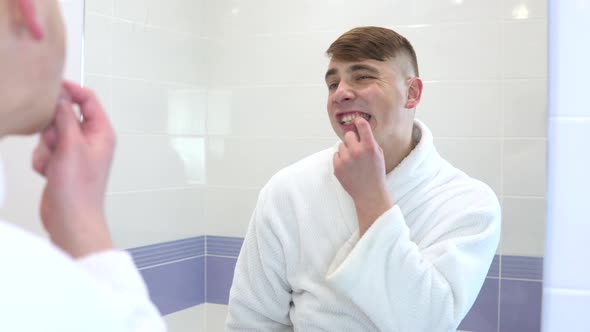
28, 16
414, 92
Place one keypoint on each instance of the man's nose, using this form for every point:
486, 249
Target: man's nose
343, 93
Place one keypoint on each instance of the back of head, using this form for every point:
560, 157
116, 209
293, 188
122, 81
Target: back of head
32, 52
373, 43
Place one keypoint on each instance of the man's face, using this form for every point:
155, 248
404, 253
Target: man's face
54, 62
41, 66
375, 90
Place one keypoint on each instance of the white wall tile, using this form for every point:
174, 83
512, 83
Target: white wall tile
565, 310
179, 15
524, 9
216, 315
102, 87
104, 7
22, 186
569, 188
264, 17
523, 226
158, 108
479, 158
436, 11
73, 13
524, 49
188, 320
569, 59
290, 111
229, 210
154, 162
250, 162
221, 109
457, 51
132, 10
566, 296
255, 17
192, 152
98, 44
269, 59
269, 16
525, 167
525, 108
151, 53
142, 218
462, 109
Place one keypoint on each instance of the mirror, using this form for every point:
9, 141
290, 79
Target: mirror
211, 98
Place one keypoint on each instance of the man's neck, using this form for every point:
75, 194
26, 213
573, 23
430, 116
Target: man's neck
398, 156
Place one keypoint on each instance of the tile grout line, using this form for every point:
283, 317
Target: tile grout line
169, 262
205, 286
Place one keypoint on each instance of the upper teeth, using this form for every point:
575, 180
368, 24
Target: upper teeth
349, 118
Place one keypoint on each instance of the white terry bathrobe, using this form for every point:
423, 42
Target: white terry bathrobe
419, 267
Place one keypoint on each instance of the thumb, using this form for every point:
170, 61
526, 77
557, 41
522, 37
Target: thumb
41, 157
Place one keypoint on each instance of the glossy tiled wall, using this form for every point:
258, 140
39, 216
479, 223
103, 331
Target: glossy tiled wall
566, 295
147, 61
210, 98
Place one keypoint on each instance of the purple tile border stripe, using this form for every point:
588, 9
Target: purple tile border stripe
224, 246
520, 305
185, 273
483, 316
167, 252
494, 270
220, 274
522, 267
176, 286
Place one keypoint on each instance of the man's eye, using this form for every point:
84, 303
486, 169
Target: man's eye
364, 77
332, 86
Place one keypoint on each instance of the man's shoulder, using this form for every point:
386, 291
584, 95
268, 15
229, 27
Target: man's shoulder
467, 189
27, 251
48, 283
16, 237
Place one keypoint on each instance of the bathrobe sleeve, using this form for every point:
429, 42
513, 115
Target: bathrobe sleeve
124, 285
429, 286
260, 295
44, 289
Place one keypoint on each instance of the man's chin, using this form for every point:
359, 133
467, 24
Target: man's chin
37, 124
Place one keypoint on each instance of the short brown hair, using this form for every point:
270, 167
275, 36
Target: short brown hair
372, 43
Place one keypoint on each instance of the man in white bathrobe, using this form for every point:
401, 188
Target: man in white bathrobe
378, 233
76, 281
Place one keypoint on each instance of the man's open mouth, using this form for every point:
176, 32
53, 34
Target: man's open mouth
348, 118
